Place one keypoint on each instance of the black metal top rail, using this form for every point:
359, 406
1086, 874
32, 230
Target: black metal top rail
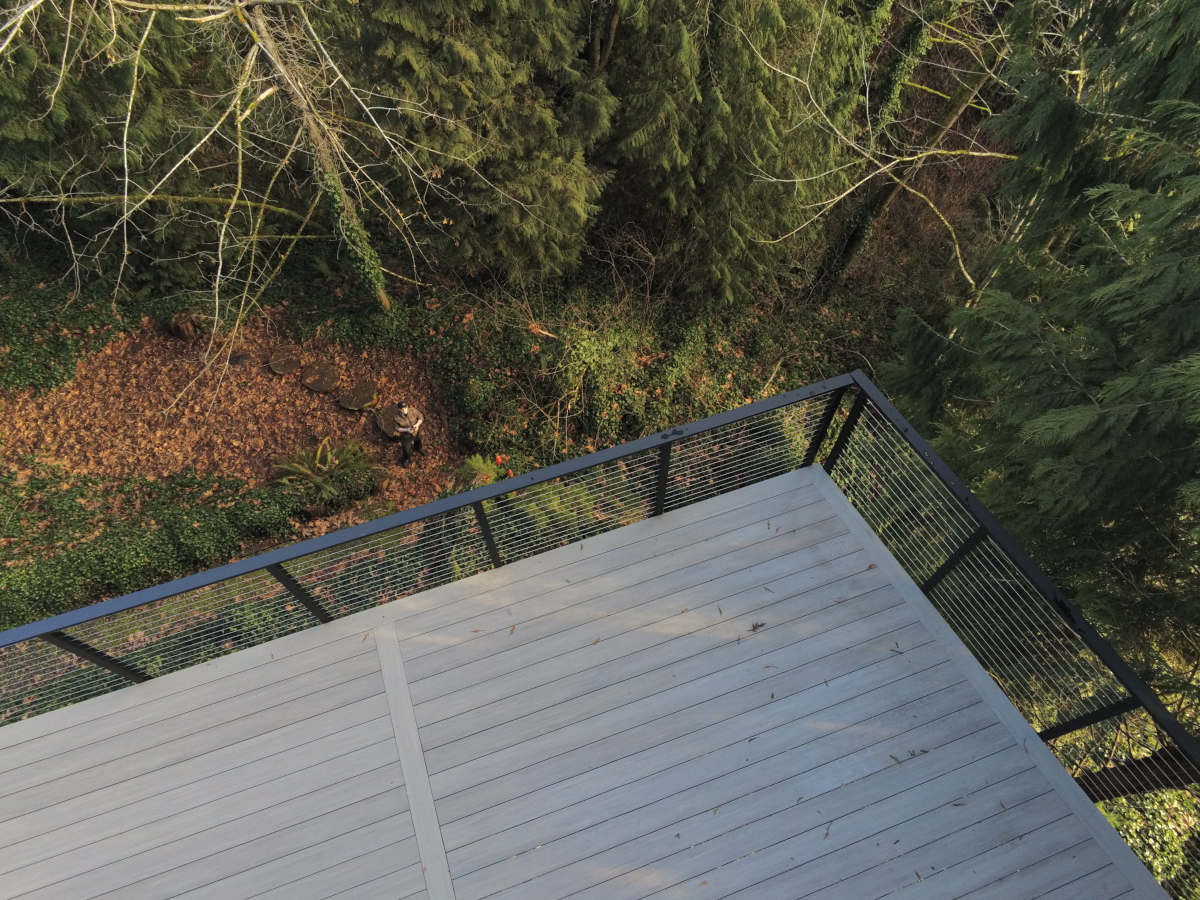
834, 391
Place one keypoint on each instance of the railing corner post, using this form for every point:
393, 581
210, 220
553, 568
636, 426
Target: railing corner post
843, 438
814, 445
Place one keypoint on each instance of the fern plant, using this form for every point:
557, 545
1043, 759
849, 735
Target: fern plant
329, 475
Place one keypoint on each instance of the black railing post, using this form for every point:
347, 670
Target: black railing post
835, 452
297, 590
486, 530
660, 485
818, 438
973, 540
77, 647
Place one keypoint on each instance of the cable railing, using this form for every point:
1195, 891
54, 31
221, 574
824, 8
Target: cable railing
1107, 726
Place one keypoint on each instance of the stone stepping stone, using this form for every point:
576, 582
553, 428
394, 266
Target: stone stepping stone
185, 325
285, 360
321, 377
358, 396
385, 418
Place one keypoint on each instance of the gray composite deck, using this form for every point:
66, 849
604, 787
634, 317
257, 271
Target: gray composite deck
745, 697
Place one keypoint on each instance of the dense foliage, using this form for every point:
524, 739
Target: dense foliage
1071, 382
70, 539
441, 136
1067, 386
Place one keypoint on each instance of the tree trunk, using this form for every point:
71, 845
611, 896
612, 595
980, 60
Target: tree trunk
353, 231
853, 237
601, 48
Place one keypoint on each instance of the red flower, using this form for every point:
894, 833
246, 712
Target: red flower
510, 474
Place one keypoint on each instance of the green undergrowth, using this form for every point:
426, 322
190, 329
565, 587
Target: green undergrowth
554, 371
45, 326
68, 540
330, 475
47, 321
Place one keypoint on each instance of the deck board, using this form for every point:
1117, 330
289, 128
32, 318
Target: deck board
346, 679
744, 697
626, 653
575, 612
733, 736
733, 669
710, 799
113, 838
912, 855
225, 788
1102, 884
359, 872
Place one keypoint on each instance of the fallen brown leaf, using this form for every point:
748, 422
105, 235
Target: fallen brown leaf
116, 419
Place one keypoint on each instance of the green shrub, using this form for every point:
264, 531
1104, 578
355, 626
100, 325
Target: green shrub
265, 512
127, 558
201, 535
476, 471
46, 322
70, 540
1146, 821
328, 477
551, 370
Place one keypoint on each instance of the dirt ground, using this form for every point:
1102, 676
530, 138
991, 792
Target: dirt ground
148, 405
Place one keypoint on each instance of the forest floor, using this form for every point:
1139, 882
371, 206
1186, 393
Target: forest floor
147, 405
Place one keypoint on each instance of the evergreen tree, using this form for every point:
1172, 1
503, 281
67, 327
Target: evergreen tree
888, 136
456, 132
1082, 358
724, 128
498, 108
1069, 389
65, 115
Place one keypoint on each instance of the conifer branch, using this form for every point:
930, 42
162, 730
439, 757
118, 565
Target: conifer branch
874, 162
11, 28
66, 55
326, 149
243, 79
287, 80
215, 10
223, 230
601, 47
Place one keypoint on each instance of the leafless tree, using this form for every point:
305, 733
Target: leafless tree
287, 97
